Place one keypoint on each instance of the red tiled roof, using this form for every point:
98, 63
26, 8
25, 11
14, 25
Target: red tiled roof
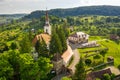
46, 38
67, 55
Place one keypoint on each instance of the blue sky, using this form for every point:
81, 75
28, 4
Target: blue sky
27, 6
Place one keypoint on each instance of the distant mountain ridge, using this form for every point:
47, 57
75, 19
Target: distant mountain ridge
13, 15
87, 10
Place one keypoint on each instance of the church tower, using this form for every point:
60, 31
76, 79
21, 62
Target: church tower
47, 27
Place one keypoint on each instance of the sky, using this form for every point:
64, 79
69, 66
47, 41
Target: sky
27, 6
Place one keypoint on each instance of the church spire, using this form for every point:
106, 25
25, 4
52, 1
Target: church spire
47, 27
47, 15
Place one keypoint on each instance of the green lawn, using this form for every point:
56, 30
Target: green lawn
83, 50
113, 49
91, 38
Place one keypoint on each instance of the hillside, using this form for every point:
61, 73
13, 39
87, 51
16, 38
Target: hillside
88, 10
13, 15
7, 18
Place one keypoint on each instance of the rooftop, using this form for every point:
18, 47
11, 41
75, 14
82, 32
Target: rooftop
98, 74
80, 34
67, 55
46, 38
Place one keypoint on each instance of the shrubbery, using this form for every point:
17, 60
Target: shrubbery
97, 56
88, 61
119, 67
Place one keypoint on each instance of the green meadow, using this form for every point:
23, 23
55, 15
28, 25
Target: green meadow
113, 49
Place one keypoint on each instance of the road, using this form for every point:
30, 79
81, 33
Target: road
76, 58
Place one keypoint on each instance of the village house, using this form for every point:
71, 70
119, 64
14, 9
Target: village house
98, 74
114, 37
60, 62
57, 63
78, 37
47, 32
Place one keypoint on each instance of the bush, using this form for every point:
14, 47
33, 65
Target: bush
66, 78
13, 45
98, 62
97, 79
107, 40
119, 67
97, 56
88, 61
112, 76
107, 77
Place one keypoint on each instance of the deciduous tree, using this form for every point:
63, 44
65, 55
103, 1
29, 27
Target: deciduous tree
80, 73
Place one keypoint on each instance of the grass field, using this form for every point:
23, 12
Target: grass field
2, 20
96, 38
113, 49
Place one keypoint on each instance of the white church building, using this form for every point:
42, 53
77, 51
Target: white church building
66, 56
47, 32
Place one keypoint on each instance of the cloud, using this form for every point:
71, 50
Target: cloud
2, 0
24, 0
26, 6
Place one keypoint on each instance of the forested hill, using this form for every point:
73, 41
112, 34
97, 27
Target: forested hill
12, 15
88, 10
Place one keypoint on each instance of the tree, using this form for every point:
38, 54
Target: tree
80, 73
106, 77
21, 66
41, 48
119, 66
4, 47
62, 38
66, 31
38, 47
114, 30
25, 45
31, 35
6, 70
29, 70
88, 61
55, 44
3, 78
112, 76
66, 78
13, 45
71, 20
13, 21
103, 52
118, 31
44, 66
15, 63
45, 51
97, 79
